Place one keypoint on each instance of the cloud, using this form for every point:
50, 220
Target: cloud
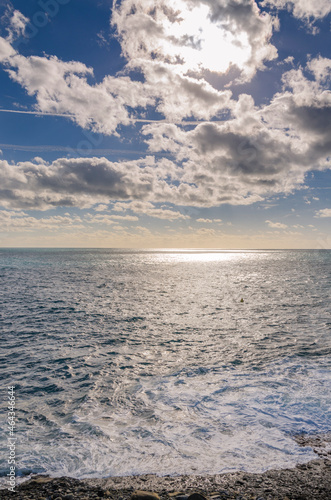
172, 44
147, 208
180, 35
6, 50
302, 9
124, 217
80, 182
321, 68
83, 182
204, 231
63, 88
205, 221
105, 220
16, 24
208, 221
257, 152
303, 110
276, 225
20, 221
100, 208
325, 212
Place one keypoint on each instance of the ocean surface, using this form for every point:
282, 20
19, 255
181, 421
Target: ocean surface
131, 362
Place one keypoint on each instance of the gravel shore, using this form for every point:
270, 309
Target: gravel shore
311, 481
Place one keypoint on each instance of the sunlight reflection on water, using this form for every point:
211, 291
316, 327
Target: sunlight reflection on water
133, 362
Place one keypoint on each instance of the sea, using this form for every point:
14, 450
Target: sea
163, 362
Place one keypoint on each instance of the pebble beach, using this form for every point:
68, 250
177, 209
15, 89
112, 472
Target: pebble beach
311, 481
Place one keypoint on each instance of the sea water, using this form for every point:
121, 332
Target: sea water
166, 362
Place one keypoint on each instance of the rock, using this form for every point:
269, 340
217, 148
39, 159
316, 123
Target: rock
69, 497
144, 495
224, 494
42, 480
197, 496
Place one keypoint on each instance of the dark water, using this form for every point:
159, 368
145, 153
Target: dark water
133, 362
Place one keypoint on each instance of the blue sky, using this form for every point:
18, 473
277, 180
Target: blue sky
145, 123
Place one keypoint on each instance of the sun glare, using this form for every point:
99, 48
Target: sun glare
199, 43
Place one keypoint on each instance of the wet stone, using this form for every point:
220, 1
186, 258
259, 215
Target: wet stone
197, 496
224, 494
144, 495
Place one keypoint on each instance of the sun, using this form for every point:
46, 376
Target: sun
194, 42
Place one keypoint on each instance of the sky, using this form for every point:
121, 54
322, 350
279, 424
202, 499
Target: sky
165, 124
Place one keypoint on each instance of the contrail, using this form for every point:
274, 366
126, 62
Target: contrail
135, 120
21, 112
80, 151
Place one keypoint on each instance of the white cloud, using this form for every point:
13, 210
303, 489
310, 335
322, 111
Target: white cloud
18, 221
17, 23
100, 219
205, 221
100, 208
208, 221
204, 231
302, 8
147, 208
172, 44
11, 221
130, 218
181, 35
256, 152
276, 225
325, 212
63, 87
321, 68
82, 182
6, 50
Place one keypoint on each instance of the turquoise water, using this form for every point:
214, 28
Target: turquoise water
149, 362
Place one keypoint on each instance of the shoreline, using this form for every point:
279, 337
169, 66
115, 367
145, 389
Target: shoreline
309, 481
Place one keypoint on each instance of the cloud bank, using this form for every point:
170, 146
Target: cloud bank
248, 153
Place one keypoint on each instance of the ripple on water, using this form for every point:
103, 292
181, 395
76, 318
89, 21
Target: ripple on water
149, 363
